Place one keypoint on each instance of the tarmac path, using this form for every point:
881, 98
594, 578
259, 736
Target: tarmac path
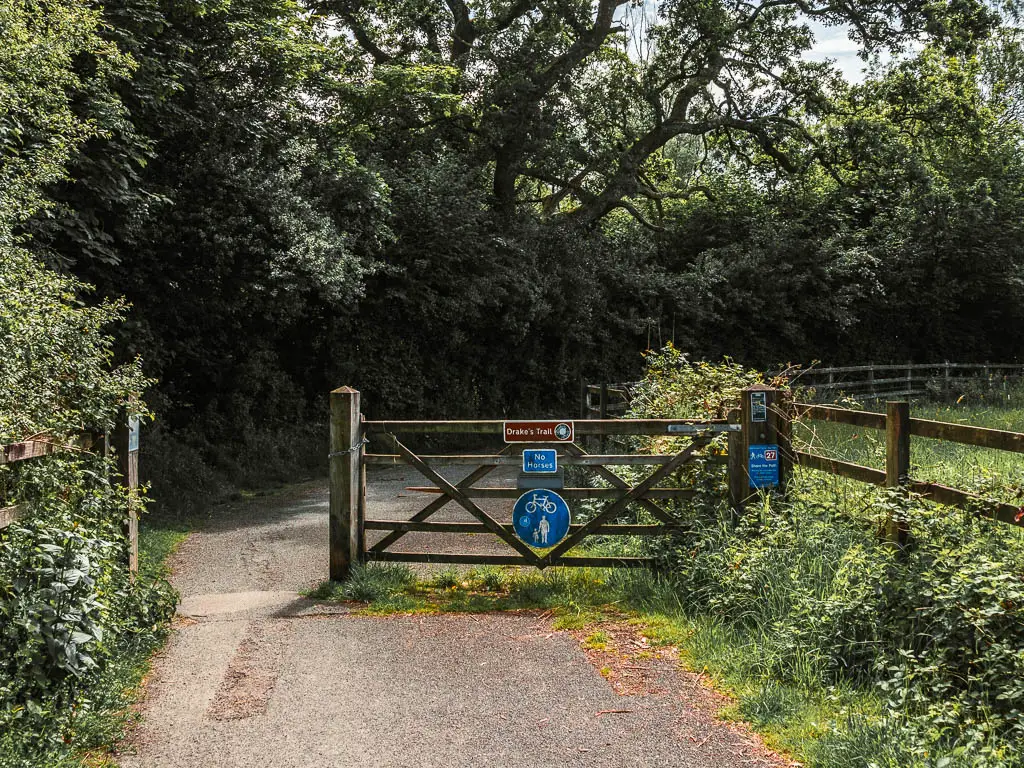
256, 675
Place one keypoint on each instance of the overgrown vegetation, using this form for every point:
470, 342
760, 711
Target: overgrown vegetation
807, 582
72, 621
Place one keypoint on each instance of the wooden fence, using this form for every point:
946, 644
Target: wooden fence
122, 443
862, 382
759, 440
878, 382
603, 401
899, 427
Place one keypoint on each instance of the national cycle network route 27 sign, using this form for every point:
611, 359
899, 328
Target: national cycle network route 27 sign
541, 518
763, 466
539, 431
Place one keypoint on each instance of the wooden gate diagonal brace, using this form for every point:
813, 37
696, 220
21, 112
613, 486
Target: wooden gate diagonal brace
477, 474
458, 496
638, 491
616, 481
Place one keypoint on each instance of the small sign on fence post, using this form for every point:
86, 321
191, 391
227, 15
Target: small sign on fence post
763, 465
126, 447
760, 456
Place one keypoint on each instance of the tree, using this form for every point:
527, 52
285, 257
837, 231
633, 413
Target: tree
570, 103
40, 129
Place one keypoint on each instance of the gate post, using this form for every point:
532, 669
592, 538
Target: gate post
767, 421
346, 482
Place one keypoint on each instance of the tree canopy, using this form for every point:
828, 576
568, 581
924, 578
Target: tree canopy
575, 106
463, 207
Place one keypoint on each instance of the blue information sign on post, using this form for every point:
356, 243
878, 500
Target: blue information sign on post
763, 466
540, 460
541, 518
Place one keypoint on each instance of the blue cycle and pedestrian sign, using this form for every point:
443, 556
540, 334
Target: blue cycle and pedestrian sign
541, 518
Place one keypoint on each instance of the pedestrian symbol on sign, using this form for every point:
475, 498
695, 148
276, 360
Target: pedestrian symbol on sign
541, 518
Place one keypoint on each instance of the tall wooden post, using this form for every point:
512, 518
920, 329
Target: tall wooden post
126, 450
602, 441
897, 462
767, 425
737, 467
346, 482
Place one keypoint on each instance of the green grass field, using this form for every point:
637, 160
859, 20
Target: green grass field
995, 474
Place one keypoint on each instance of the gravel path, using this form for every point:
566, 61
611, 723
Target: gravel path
256, 675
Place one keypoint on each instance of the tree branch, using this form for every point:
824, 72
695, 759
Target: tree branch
365, 41
515, 11
635, 213
465, 32
509, 153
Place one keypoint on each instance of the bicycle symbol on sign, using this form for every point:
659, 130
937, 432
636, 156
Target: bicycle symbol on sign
543, 503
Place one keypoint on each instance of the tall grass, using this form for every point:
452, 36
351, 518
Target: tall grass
996, 474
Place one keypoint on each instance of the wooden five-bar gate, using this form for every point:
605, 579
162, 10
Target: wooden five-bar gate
763, 423
352, 437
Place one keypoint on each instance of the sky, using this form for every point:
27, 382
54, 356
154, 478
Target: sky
830, 43
834, 43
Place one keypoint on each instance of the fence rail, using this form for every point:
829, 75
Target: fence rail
34, 448
899, 427
864, 382
875, 382
124, 448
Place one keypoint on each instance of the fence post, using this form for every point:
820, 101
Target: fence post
897, 462
737, 467
126, 450
766, 422
346, 482
871, 378
947, 388
602, 441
